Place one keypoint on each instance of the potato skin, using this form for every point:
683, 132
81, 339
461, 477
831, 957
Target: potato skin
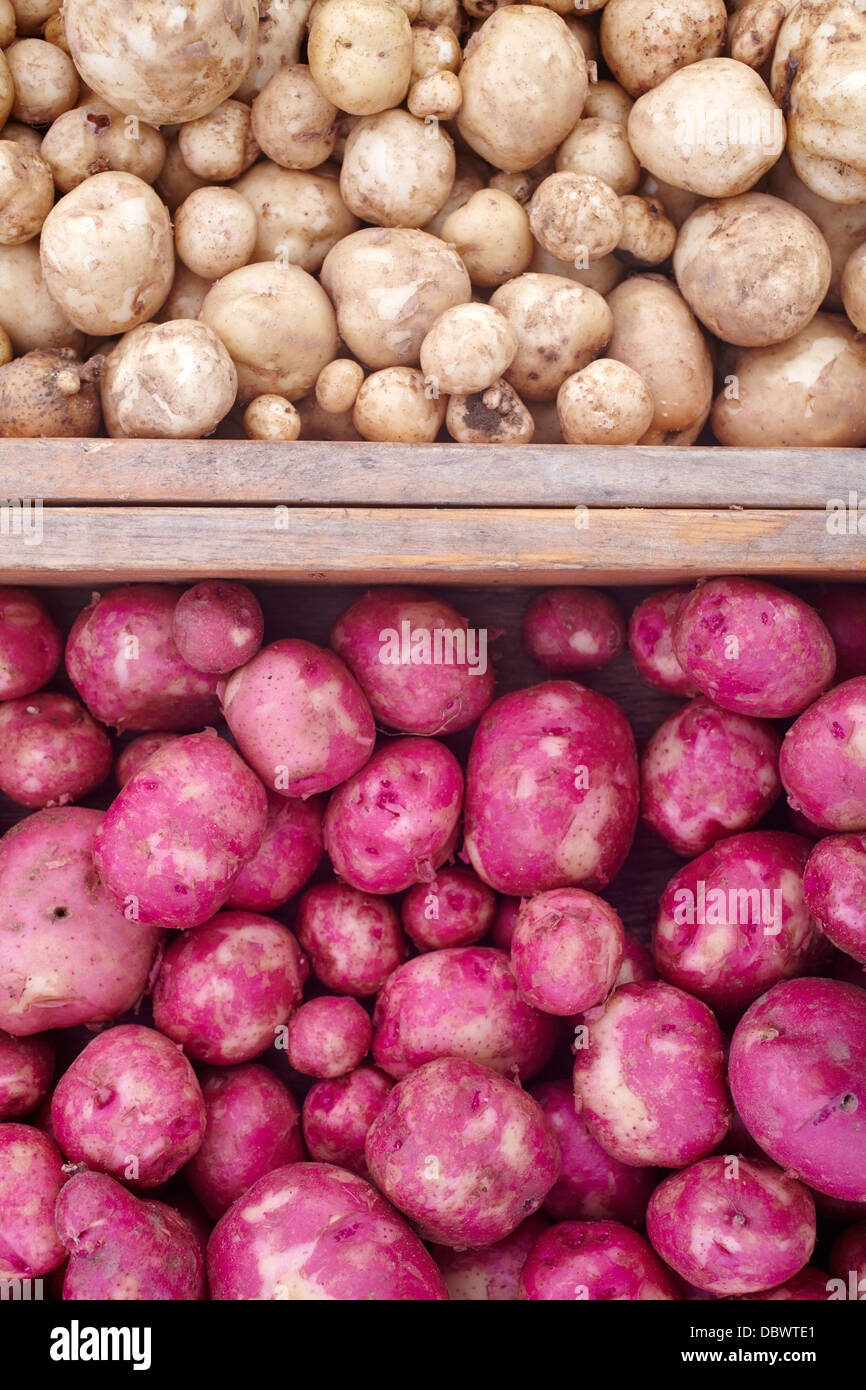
300, 215
337, 1115
288, 855
605, 1258
50, 394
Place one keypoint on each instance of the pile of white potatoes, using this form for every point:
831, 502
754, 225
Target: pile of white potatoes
640, 221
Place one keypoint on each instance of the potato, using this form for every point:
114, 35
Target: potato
456, 909
650, 642
594, 1260
136, 754
30, 15
338, 384
45, 81
471, 175
360, 54
522, 185
648, 236
524, 85
834, 887
492, 1273
176, 181
289, 853
26, 1069
826, 129
215, 232
217, 626
95, 138
337, 1115
26, 193
300, 215
162, 64
328, 1037
272, 418
600, 275
353, 939
437, 97
30, 643
600, 148
576, 217
753, 30
221, 145
388, 286
607, 101
282, 29
51, 751
853, 287
560, 327
24, 135
28, 313
31, 1179
491, 234
397, 405
494, 416
396, 171
566, 951
272, 355
293, 123
167, 381
50, 394
572, 630
467, 349
842, 608
717, 149
644, 41
435, 48
604, 403
821, 763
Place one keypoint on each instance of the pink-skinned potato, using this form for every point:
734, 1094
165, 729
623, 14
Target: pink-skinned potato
842, 609
797, 1072
313, 1231
299, 717
31, 1176
735, 921
125, 1248
52, 751
26, 1069
136, 754
574, 629
217, 626
835, 888
492, 1274
551, 790
353, 939
732, 1225
637, 963
808, 1285
122, 660
287, 857
130, 1106
30, 644
462, 1002
650, 641
226, 989
462, 1153
455, 909
71, 957
753, 648
823, 759
176, 837
592, 1185
337, 1114
253, 1127
421, 666
567, 950
707, 772
394, 823
595, 1260
329, 1036
650, 1079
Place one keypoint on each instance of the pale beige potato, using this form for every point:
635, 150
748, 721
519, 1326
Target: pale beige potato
608, 101
467, 349
388, 287
605, 403
54, 31
272, 418
30, 15
823, 84
560, 325
753, 30
854, 288
494, 416
492, 236
678, 203
471, 174
753, 269
293, 124
808, 392
108, 253
395, 406
448, 12
220, 146
435, 48
438, 95
282, 31
656, 334
600, 148
164, 63
360, 54
167, 381
26, 193
712, 128
576, 217
338, 384
176, 181
828, 178
7, 23
23, 135
397, 171
215, 232
278, 326
644, 41
45, 81
28, 313
186, 296
802, 21
300, 214
843, 226
95, 138
524, 84
648, 235
600, 275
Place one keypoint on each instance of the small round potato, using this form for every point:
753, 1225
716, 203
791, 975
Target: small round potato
396, 406
167, 381
608, 101
854, 288
606, 403
45, 80
30, 15
300, 215
53, 30
215, 232
95, 138
23, 135
644, 41
435, 48
560, 325
522, 185
492, 235
447, 12
28, 313
753, 30
26, 193
437, 96
576, 217
186, 296
495, 416
272, 418
600, 148
338, 384
467, 349
648, 236
360, 54
293, 123
221, 145
397, 171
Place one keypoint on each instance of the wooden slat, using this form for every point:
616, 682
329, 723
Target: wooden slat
325, 474
364, 545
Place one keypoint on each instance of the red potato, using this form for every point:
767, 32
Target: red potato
329, 1036
823, 759
226, 988
130, 1106
136, 754
312, 1232
337, 1114
571, 630
492, 1274
797, 1073
31, 1176
459, 1003
122, 1247
650, 1078
732, 1225
753, 648
51, 751
842, 609
394, 823
30, 644
707, 772
735, 921
217, 626
287, 857
455, 909
808, 1285
252, 1127
502, 931
299, 717
353, 939
74, 958
177, 836
551, 790
122, 660
650, 641
566, 951
421, 666
26, 1069
835, 888
595, 1260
